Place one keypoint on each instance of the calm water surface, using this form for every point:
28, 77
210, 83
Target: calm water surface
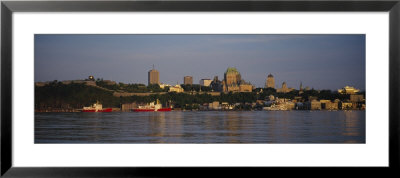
202, 127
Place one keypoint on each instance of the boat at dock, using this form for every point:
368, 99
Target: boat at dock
151, 107
96, 107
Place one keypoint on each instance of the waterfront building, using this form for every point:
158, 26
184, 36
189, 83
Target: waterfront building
362, 107
270, 82
329, 105
226, 106
345, 105
216, 85
356, 98
281, 100
299, 105
153, 77
205, 82
126, 107
214, 105
284, 89
233, 82
188, 80
315, 105
348, 90
334, 106
290, 105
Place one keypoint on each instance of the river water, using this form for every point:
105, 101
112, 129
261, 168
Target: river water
202, 127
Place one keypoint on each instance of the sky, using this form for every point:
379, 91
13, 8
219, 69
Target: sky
318, 61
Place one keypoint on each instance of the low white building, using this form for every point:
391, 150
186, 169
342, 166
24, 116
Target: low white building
214, 105
163, 85
176, 88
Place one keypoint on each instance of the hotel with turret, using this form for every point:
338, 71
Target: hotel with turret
233, 82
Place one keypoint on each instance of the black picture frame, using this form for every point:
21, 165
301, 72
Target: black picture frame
8, 7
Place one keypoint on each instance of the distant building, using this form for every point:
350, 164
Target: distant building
153, 77
87, 82
216, 84
126, 107
205, 82
245, 88
290, 105
301, 88
271, 98
299, 99
163, 85
356, 98
176, 88
312, 98
41, 84
345, 105
188, 80
109, 82
348, 90
329, 105
270, 82
214, 105
315, 105
284, 89
233, 82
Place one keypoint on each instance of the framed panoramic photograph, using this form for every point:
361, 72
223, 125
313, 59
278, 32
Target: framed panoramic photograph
160, 88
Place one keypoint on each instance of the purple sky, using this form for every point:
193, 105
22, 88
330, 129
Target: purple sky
318, 61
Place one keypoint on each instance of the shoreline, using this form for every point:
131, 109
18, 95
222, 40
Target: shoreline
201, 111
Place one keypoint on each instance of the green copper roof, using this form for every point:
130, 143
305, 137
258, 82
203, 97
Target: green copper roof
231, 70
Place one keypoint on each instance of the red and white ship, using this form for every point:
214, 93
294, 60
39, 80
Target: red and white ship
96, 107
151, 107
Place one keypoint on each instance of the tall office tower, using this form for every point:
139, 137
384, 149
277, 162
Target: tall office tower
154, 77
188, 80
270, 83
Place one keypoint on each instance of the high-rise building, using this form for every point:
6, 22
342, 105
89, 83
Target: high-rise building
284, 85
270, 82
153, 77
301, 88
205, 82
188, 80
216, 85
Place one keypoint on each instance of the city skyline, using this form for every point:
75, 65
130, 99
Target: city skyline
317, 61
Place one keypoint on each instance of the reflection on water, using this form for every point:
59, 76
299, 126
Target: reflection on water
202, 127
